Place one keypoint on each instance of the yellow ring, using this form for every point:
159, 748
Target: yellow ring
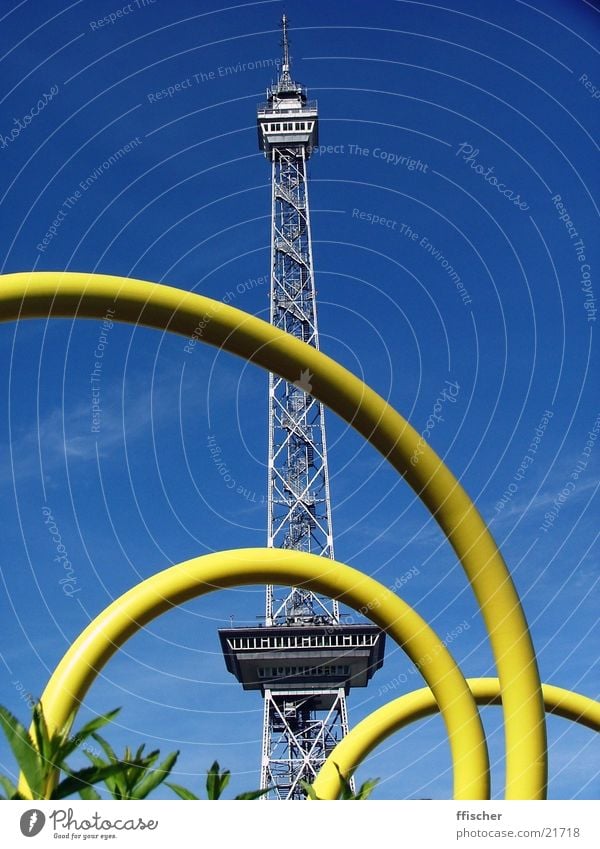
110, 629
47, 294
375, 728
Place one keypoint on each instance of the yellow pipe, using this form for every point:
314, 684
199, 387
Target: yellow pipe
375, 728
44, 294
164, 590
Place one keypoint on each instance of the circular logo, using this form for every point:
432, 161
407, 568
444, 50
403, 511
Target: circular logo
32, 822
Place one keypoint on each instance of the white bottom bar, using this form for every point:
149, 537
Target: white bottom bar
562, 824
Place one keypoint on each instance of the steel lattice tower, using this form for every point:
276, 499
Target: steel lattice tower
304, 660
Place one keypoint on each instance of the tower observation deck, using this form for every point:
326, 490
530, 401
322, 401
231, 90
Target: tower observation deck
304, 659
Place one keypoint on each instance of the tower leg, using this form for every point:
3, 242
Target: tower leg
299, 734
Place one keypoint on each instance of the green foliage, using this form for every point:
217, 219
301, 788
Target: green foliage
347, 793
251, 794
42, 758
182, 792
9, 788
135, 779
309, 791
216, 782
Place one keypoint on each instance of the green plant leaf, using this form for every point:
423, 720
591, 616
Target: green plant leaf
41, 736
133, 780
24, 750
89, 793
87, 730
346, 792
366, 788
95, 759
111, 782
309, 790
216, 781
9, 788
252, 794
106, 747
182, 792
139, 765
84, 778
152, 779
364, 791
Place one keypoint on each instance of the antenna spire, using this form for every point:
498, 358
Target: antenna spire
285, 43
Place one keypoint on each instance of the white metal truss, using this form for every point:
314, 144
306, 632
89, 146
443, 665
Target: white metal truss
299, 509
300, 727
297, 735
299, 738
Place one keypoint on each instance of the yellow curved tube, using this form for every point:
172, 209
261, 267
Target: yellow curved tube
44, 294
101, 639
375, 728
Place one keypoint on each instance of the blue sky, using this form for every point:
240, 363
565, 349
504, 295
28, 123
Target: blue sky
500, 109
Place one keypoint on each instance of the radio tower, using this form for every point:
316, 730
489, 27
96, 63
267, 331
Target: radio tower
303, 659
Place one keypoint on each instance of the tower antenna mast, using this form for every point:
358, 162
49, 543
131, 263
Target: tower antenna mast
303, 660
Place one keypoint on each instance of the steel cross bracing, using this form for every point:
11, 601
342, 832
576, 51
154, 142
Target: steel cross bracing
297, 735
299, 514
303, 659
299, 738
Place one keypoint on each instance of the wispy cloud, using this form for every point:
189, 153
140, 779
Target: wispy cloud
65, 435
